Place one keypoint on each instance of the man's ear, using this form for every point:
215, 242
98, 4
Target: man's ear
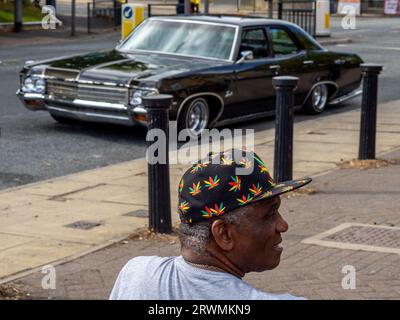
223, 235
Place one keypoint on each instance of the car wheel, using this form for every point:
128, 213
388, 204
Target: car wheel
63, 120
194, 116
317, 100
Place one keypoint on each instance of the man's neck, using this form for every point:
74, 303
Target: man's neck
214, 260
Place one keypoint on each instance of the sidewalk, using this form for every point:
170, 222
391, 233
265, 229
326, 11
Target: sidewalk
313, 271
61, 219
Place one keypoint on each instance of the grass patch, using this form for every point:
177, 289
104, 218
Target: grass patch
30, 12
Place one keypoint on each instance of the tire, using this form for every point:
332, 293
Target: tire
63, 120
194, 116
317, 100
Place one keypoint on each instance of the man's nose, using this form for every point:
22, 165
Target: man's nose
282, 225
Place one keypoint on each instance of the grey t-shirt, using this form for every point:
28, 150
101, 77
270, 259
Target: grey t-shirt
172, 278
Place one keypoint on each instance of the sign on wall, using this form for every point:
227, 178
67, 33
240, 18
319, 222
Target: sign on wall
391, 7
349, 6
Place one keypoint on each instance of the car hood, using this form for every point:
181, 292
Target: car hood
126, 68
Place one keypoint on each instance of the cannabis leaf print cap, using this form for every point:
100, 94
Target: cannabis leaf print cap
225, 181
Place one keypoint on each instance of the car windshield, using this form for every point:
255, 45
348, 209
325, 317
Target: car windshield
183, 38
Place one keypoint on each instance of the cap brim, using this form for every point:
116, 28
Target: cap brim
281, 188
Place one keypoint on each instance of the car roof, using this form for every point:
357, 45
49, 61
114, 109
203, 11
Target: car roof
242, 21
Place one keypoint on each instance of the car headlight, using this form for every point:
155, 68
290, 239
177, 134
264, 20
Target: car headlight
34, 84
138, 94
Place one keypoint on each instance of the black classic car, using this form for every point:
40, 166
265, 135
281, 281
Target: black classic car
219, 70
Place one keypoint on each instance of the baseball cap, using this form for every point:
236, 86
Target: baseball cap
225, 181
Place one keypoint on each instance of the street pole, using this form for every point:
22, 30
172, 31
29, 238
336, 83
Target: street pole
283, 156
73, 11
369, 111
157, 107
88, 17
280, 9
18, 13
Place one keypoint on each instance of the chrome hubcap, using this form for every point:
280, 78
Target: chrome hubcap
197, 116
320, 97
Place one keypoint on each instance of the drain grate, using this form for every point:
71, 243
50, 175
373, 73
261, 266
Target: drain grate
137, 213
359, 236
83, 225
371, 236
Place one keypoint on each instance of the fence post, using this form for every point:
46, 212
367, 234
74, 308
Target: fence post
270, 9
283, 156
369, 111
157, 107
206, 6
73, 11
117, 13
51, 3
88, 17
280, 9
187, 7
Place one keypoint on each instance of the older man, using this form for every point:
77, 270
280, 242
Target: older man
230, 226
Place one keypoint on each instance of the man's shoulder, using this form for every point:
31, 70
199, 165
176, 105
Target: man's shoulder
145, 262
138, 274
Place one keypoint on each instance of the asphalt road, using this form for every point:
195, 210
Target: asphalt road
34, 147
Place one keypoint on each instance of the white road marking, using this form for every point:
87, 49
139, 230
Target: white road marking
367, 47
352, 31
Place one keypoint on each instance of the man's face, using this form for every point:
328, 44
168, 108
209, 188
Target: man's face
258, 238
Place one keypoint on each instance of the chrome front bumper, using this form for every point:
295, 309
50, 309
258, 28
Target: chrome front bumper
85, 110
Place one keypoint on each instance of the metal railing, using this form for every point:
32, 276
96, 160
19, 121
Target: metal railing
167, 9
300, 12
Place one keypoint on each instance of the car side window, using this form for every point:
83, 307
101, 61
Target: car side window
282, 42
254, 40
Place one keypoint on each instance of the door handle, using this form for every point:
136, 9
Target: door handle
308, 62
340, 61
275, 67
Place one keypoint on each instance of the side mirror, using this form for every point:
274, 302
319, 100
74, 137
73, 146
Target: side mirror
246, 55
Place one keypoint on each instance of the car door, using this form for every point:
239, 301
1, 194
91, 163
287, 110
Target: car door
253, 78
292, 58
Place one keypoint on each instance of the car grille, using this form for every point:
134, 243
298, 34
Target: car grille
63, 90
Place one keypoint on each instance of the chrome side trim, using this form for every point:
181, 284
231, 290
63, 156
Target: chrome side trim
318, 83
249, 117
203, 94
245, 118
346, 97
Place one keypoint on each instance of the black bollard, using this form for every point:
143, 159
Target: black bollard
368, 111
283, 157
157, 107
